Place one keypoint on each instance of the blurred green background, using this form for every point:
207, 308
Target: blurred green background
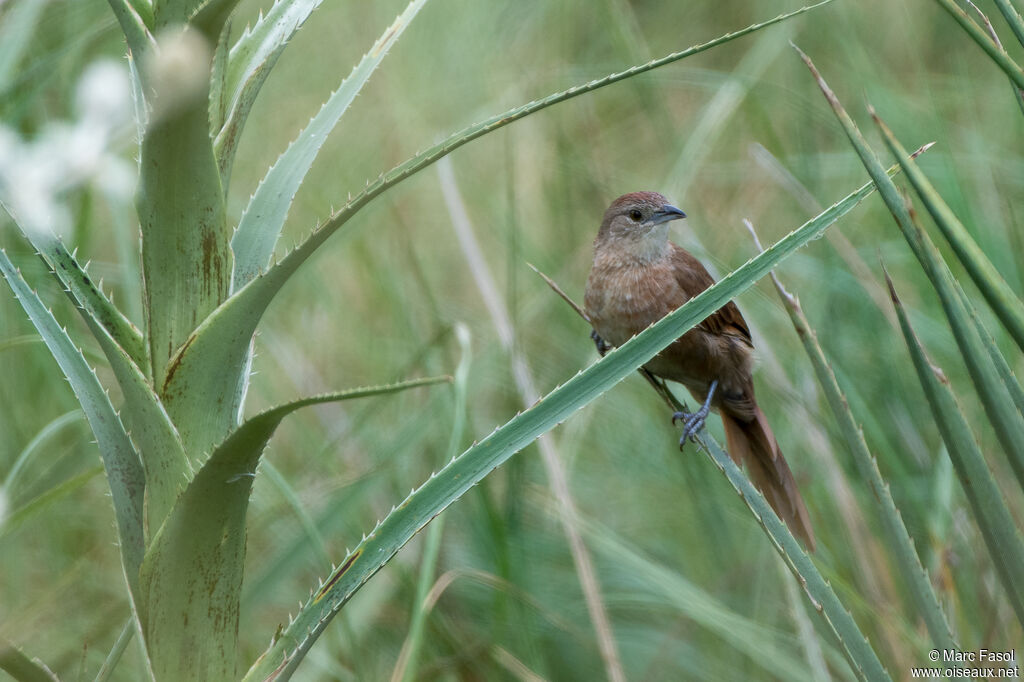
693, 588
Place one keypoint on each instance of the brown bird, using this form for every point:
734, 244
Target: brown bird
638, 277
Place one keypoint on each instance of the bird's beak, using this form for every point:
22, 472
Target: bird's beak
666, 213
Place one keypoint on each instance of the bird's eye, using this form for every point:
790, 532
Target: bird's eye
635, 215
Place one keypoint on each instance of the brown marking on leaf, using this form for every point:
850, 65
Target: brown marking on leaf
337, 576
387, 37
175, 362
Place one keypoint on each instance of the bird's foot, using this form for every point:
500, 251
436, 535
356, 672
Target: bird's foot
693, 422
602, 347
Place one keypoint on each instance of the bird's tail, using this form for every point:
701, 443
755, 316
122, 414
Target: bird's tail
754, 443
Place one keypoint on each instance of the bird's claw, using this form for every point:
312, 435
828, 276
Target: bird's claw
693, 422
602, 346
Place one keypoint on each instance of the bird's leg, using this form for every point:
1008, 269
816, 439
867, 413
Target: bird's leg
693, 422
602, 347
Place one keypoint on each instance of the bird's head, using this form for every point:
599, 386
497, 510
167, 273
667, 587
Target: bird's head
638, 222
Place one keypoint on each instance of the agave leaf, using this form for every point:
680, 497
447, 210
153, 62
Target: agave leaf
89, 298
451, 482
997, 292
155, 437
1000, 57
192, 573
1008, 423
186, 255
998, 529
120, 460
263, 219
218, 79
899, 538
249, 62
213, 361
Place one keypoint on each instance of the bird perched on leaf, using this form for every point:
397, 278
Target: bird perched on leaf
638, 277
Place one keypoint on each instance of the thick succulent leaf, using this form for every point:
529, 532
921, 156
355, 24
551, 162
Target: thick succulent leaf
123, 468
1008, 423
89, 298
16, 31
462, 473
993, 287
263, 219
249, 63
998, 529
192, 575
213, 361
155, 437
186, 254
218, 78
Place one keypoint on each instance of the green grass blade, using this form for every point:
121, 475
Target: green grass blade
264, 217
214, 359
16, 31
899, 539
116, 651
997, 526
313, 534
1008, 423
21, 667
462, 473
186, 255
249, 62
993, 287
192, 573
1013, 18
758, 642
13, 520
408, 660
1000, 57
34, 445
124, 470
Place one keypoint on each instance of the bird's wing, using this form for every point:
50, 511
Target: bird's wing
694, 278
